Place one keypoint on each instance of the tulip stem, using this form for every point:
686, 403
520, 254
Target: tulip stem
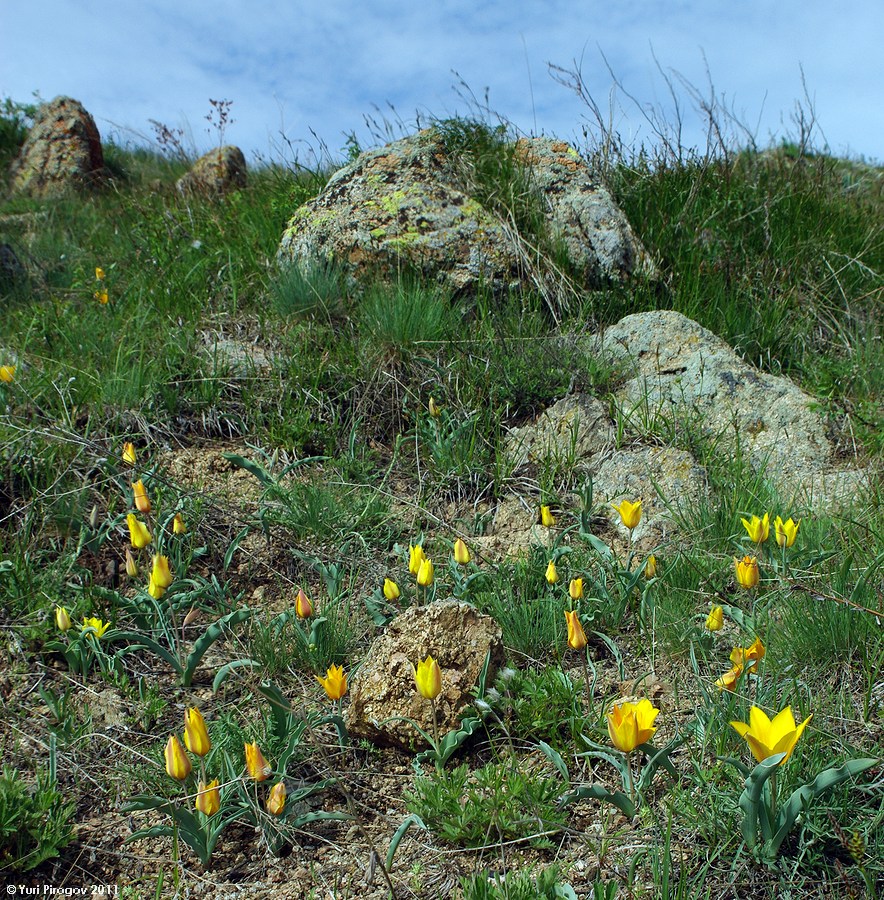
585, 660
629, 782
436, 734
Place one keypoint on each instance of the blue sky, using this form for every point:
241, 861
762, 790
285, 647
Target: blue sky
303, 74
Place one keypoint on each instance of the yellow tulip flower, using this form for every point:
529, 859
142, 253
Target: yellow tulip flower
651, 567
747, 571
547, 519
196, 736
425, 573
748, 657
161, 574
552, 573
335, 682
101, 296
129, 456
757, 529
632, 724
715, 619
178, 526
576, 634
7, 374
276, 799
728, 681
575, 588
142, 501
177, 761
428, 678
391, 589
786, 532
62, 619
257, 767
766, 737
208, 798
98, 627
415, 558
155, 590
99, 273
630, 513
461, 553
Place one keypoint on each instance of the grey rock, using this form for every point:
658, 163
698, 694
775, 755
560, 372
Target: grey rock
62, 152
383, 692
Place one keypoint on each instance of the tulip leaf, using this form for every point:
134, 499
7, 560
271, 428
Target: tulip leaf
556, 759
615, 652
413, 819
598, 792
751, 802
234, 546
280, 709
826, 780
211, 634
657, 758
143, 642
227, 668
251, 467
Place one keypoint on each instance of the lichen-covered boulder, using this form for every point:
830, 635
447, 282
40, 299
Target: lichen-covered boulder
383, 692
680, 371
582, 213
62, 152
396, 207
215, 173
407, 205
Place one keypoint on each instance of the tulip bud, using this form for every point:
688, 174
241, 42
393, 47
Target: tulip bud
161, 574
131, 565
99, 273
391, 589
651, 567
142, 501
786, 532
747, 571
547, 519
715, 619
196, 737
415, 558
576, 634
155, 590
93, 518
129, 453
257, 767
178, 526
208, 798
177, 761
461, 552
428, 678
191, 617
435, 412
552, 574
276, 799
575, 588
303, 606
7, 374
62, 618
138, 533
425, 573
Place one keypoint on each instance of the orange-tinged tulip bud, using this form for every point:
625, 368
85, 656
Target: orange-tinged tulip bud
98, 627
747, 571
715, 619
192, 615
426, 573
757, 529
129, 455
766, 737
7, 374
630, 513
303, 606
728, 681
142, 501
552, 573
62, 619
155, 590
461, 553
575, 588
99, 273
276, 799
632, 724
786, 532
161, 573
576, 634
131, 565
651, 566
547, 519
335, 682
177, 761
178, 526
257, 767
428, 678
196, 736
415, 558
208, 798
391, 589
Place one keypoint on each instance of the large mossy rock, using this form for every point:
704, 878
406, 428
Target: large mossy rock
215, 173
412, 205
62, 152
